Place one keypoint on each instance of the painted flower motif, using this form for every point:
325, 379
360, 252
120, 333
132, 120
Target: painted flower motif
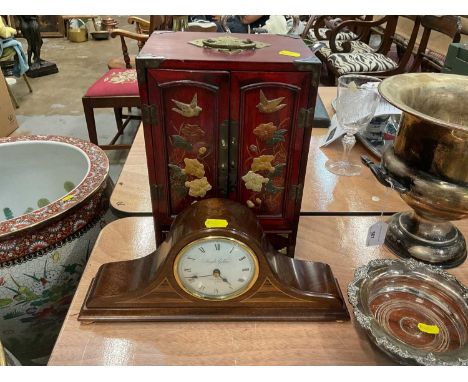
250, 204
254, 181
263, 162
126, 76
253, 148
198, 187
193, 133
56, 256
202, 150
265, 130
193, 167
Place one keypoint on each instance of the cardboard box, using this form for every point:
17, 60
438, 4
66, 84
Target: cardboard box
8, 122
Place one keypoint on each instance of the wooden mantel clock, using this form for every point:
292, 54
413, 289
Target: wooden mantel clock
216, 264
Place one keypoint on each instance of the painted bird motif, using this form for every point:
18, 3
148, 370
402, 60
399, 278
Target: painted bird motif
270, 106
187, 109
43, 280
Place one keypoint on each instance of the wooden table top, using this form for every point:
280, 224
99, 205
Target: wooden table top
338, 241
324, 192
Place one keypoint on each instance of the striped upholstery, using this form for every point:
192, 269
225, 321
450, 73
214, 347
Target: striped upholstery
340, 36
356, 47
345, 63
437, 58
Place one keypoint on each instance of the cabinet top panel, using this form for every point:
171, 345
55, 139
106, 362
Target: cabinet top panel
172, 50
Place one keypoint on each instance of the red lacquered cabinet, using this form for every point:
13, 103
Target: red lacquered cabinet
228, 124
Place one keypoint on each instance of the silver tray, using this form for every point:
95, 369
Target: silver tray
415, 313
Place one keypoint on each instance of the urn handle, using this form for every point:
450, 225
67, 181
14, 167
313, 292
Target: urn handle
382, 176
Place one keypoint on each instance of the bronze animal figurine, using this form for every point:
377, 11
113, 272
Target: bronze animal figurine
29, 26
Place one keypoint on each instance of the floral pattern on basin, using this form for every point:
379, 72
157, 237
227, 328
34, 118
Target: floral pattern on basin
35, 295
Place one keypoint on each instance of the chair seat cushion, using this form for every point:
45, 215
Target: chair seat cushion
119, 62
356, 47
345, 63
437, 58
116, 82
344, 35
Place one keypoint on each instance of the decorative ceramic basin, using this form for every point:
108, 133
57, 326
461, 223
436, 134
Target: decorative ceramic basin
35, 173
50, 180
53, 195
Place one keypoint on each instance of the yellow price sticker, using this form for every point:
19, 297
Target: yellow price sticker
216, 223
431, 329
67, 198
289, 53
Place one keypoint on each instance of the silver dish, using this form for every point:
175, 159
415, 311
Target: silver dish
415, 313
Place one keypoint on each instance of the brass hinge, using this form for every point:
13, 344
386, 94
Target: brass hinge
296, 192
148, 113
306, 116
156, 191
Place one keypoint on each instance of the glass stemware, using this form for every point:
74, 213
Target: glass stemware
356, 103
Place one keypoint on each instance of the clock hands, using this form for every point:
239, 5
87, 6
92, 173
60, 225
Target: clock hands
216, 274
226, 281
196, 276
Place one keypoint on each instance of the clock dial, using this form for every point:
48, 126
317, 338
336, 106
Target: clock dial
216, 268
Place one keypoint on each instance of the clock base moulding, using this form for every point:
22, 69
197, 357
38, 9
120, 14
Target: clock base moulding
149, 289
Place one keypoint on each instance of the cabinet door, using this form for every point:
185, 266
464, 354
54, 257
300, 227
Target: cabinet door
265, 165
190, 137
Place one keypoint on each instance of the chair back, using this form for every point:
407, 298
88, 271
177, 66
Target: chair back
447, 25
390, 36
315, 23
158, 22
409, 45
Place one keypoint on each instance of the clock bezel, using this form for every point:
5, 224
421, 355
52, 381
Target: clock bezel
240, 292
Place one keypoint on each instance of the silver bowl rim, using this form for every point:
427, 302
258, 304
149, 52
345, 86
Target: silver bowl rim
380, 337
389, 83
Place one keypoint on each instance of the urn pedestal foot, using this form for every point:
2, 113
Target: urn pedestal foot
437, 243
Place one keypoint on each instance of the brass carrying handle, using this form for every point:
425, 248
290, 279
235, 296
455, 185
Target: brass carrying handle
382, 176
246, 44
